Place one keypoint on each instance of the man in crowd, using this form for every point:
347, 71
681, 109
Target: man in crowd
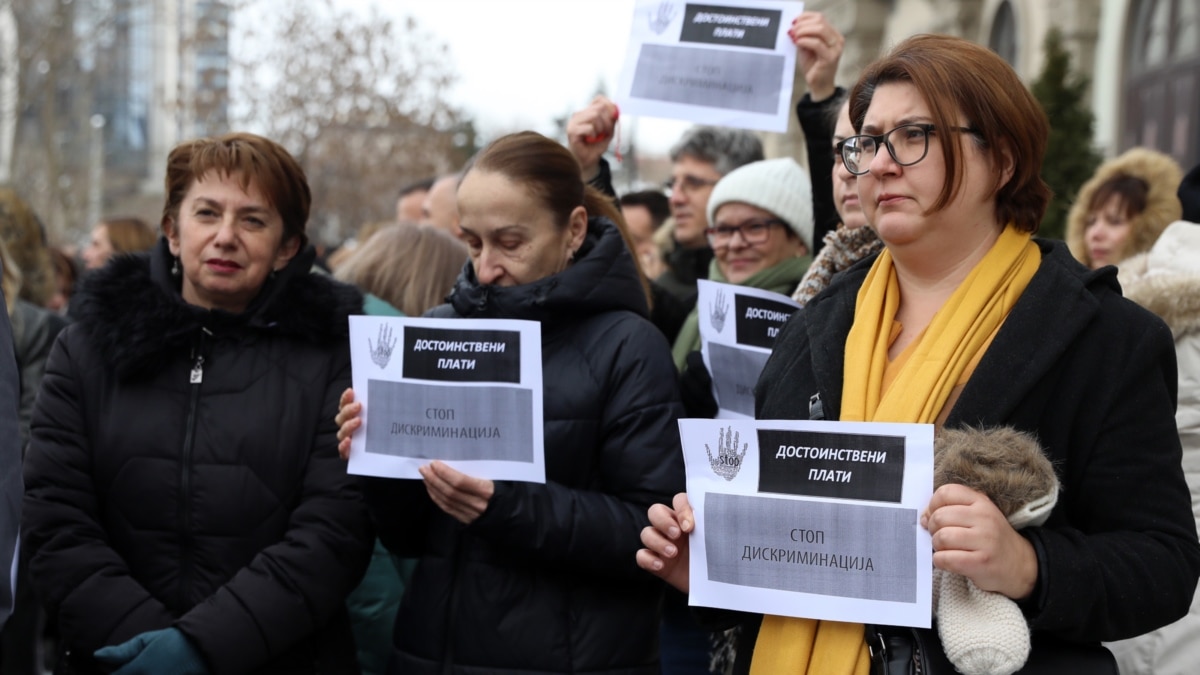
645, 212
699, 159
410, 200
440, 208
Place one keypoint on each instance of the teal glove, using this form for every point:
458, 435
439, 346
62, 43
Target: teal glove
157, 651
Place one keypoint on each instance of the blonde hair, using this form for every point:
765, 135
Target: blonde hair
129, 234
25, 238
368, 230
365, 232
412, 268
11, 280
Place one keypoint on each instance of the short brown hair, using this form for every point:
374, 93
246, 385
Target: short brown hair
1131, 191
412, 268
955, 76
253, 159
129, 234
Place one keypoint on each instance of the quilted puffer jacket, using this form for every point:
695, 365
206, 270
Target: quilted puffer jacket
183, 472
545, 580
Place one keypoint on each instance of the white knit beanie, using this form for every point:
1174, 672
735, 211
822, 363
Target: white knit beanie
779, 186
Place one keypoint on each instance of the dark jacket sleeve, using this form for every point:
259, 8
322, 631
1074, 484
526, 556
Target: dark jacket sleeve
1127, 559
817, 122
293, 588
10, 466
34, 330
638, 463
603, 180
75, 571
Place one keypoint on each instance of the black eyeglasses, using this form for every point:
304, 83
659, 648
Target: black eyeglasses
687, 183
752, 231
909, 148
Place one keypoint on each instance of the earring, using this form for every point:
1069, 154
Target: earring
175, 271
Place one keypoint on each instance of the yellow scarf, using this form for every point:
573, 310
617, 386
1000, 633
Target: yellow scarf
954, 340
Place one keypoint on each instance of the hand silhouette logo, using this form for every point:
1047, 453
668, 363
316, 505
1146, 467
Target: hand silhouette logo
728, 461
381, 352
660, 19
718, 309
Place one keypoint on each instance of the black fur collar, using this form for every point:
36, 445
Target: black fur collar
134, 315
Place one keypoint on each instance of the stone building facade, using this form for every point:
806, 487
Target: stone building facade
1142, 56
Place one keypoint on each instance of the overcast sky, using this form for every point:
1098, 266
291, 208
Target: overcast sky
521, 63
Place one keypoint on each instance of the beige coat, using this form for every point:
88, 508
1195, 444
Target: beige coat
1163, 176
1166, 280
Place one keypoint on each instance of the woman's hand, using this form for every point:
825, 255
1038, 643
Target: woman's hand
589, 133
348, 419
667, 541
971, 537
461, 496
818, 49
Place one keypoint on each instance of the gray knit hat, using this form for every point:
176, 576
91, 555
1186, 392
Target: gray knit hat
780, 186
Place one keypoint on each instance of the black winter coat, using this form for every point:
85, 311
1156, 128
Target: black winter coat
34, 331
545, 580
817, 121
183, 472
1092, 375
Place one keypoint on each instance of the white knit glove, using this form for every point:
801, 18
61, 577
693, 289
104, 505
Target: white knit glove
983, 633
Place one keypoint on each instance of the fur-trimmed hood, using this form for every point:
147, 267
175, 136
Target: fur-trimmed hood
1160, 172
1166, 280
135, 315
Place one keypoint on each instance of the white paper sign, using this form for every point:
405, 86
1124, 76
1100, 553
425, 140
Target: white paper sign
464, 391
726, 62
811, 519
738, 326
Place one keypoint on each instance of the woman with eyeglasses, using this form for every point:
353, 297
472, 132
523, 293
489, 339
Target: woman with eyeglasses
841, 235
760, 230
966, 322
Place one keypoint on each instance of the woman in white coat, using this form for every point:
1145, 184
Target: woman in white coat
1166, 281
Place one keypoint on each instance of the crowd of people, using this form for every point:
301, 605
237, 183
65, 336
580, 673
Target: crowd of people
182, 415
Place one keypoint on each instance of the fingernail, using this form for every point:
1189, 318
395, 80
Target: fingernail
687, 524
673, 532
670, 551
657, 564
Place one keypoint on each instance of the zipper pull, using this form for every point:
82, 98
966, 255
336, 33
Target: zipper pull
197, 375
816, 409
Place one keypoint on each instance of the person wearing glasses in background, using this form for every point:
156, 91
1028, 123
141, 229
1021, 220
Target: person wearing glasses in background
701, 157
967, 322
761, 227
841, 236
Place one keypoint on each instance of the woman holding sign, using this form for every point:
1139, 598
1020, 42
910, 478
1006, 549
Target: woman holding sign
527, 577
761, 228
964, 321
186, 511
